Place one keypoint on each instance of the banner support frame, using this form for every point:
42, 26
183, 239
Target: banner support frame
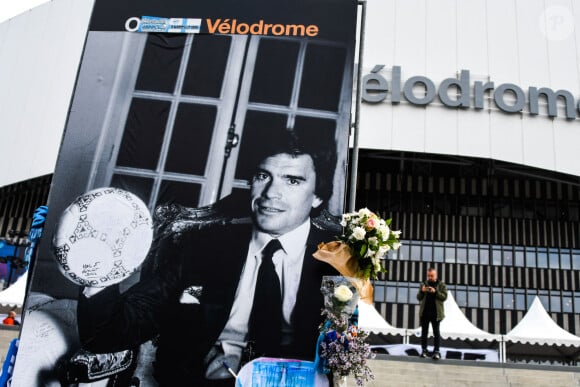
356, 125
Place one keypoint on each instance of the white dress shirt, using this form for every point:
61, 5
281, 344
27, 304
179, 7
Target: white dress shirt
288, 264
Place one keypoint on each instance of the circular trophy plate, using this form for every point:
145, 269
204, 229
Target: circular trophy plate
103, 237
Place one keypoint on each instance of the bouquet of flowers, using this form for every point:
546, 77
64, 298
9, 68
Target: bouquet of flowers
360, 250
342, 349
369, 238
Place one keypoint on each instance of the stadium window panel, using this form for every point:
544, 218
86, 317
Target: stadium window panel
553, 259
484, 255
565, 259
450, 254
542, 258
496, 256
427, 255
519, 258
473, 255
484, 299
576, 259
438, 253
530, 257
415, 254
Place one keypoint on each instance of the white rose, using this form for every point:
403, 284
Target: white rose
384, 231
373, 241
364, 212
359, 233
343, 293
397, 233
343, 222
396, 245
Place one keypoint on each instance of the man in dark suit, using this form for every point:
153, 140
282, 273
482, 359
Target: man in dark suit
229, 291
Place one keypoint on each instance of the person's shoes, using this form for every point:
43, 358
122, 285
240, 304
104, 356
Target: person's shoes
424, 353
436, 355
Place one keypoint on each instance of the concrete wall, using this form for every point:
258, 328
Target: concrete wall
39, 56
525, 42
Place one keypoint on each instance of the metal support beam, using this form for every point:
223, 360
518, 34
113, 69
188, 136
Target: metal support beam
356, 126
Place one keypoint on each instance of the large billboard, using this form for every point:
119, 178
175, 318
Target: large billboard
203, 159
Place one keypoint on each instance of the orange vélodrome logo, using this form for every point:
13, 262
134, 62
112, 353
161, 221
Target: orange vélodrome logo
227, 26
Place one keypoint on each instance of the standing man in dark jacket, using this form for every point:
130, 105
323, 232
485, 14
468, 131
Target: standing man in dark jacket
432, 294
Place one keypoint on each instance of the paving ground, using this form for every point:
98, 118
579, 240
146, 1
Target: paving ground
416, 372
428, 373
6, 336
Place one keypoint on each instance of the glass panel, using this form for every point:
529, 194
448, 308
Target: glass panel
530, 296
438, 254
473, 255
402, 295
555, 301
530, 257
519, 258
520, 301
450, 254
140, 186
379, 293
259, 129
484, 255
207, 65
508, 257
415, 252
496, 257
473, 299
542, 259
484, 299
497, 304
576, 303
461, 297
413, 294
427, 253
143, 136
462, 255
186, 194
274, 87
565, 259
322, 77
314, 131
567, 304
391, 295
576, 260
508, 300
545, 299
160, 63
554, 259
191, 138
404, 251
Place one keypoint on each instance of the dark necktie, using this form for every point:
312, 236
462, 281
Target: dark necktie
266, 318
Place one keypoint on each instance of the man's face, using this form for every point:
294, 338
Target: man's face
283, 193
432, 275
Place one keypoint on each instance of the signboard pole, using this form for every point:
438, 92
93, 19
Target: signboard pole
356, 125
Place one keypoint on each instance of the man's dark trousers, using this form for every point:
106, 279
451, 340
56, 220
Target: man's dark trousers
425, 321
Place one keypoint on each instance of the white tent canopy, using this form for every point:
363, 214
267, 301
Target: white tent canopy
14, 294
370, 320
537, 327
456, 326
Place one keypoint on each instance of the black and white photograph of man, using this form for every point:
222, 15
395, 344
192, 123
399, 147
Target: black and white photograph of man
230, 292
237, 146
